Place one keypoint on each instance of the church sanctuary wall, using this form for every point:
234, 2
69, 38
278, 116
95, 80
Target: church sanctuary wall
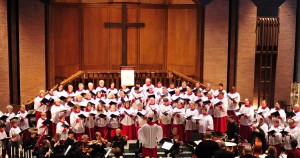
78, 39
286, 50
4, 68
216, 43
246, 49
31, 48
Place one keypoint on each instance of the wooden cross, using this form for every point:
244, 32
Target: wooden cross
124, 25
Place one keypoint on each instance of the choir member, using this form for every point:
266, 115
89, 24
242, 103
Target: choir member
183, 87
57, 147
140, 116
176, 96
292, 132
178, 119
148, 136
171, 88
122, 98
119, 140
232, 129
42, 129
197, 88
175, 140
127, 120
110, 100
57, 110
80, 101
198, 99
189, 95
60, 91
101, 119
3, 136
101, 88
220, 113
147, 85
89, 98
208, 89
150, 93
125, 90
76, 122
257, 132
139, 87
135, 95
263, 112
246, 119
158, 88
23, 120
205, 122
45, 151
297, 114
207, 102
165, 115
261, 123
51, 95
233, 102
62, 128
281, 114
113, 117
80, 89
112, 89
275, 137
207, 147
14, 127
153, 109
10, 114
13, 146
90, 120
91, 88
190, 122
70, 91
219, 90
163, 94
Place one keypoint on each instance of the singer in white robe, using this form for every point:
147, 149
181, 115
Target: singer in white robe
77, 123
246, 119
205, 122
127, 121
149, 135
165, 115
178, 114
233, 103
63, 131
190, 123
293, 133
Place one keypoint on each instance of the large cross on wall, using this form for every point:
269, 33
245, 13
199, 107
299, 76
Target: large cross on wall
124, 25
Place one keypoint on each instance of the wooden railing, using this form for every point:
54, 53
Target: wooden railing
165, 77
70, 80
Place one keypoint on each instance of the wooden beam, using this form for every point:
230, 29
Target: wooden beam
297, 47
13, 46
232, 43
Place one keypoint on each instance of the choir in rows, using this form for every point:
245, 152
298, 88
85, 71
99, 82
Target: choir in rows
134, 112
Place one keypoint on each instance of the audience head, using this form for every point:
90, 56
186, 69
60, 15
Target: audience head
117, 152
222, 145
56, 137
230, 119
208, 135
272, 151
247, 150
46, 143
294, 143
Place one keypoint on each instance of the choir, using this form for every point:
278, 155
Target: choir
148, 113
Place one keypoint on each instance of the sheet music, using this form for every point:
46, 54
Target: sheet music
167, 145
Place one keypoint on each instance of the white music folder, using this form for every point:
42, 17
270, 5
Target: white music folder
167, 145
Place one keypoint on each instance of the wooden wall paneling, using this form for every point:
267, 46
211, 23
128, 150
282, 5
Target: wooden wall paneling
152, 39
132, 35
65, 31
115, 37
95, 38
182, 40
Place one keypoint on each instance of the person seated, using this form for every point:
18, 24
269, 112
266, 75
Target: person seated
232, 129
117, 153
295, 152
257, 132
207, 147
31, 143
271, 152
77, 150
119, 140
70, 140
45, 150
223, 152
98, 146
174, 138
247, 152
56, 146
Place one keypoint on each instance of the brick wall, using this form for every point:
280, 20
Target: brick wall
4, 68
286, 50
32, 48
216, 43
246, 49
